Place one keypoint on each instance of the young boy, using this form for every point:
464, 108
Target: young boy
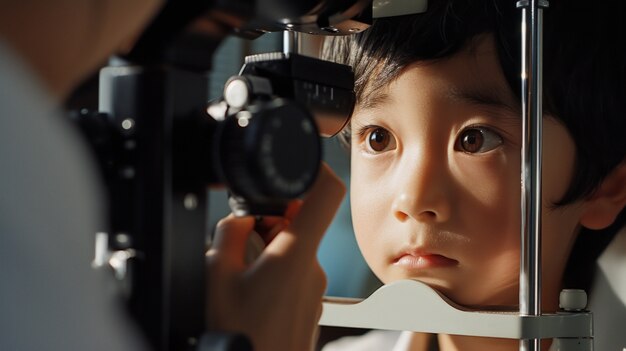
435, 149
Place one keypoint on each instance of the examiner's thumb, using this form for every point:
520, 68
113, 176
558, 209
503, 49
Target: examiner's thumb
230, 240
315, 214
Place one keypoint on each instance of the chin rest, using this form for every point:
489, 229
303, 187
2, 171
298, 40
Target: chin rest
608, 296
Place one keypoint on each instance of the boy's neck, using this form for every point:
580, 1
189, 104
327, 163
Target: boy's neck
472, 343
420, 342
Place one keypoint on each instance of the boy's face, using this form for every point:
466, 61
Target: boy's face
435, 184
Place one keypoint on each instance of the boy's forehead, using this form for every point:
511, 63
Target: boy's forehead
471, 76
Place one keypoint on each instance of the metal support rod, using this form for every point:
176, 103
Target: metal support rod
292, 42
532, 111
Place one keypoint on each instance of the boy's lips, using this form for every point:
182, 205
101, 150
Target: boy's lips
424, 260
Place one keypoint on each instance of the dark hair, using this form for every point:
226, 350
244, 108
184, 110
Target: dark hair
584, 66
379, 54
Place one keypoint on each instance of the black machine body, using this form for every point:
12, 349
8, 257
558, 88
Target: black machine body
161, 144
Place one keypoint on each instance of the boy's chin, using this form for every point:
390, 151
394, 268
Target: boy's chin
466, 298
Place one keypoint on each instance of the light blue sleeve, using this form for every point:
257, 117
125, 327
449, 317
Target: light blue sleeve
50, 208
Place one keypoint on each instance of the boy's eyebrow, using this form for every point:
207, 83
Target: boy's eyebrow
474, 96
485, 97
374, 99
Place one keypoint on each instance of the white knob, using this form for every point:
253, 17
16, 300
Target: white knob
236, 93
573, 299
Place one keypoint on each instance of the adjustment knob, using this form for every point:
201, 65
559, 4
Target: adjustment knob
269, 154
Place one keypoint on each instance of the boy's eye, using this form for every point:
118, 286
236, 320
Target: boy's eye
477, 140
380, 139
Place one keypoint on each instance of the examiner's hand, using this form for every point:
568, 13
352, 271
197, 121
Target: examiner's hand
276, 300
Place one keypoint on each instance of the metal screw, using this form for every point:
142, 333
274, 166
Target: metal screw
122, 239
128, 123
127, 172
190, 202
130, 144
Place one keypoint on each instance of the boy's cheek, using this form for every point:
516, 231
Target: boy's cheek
559, 230
495, 282
559, 154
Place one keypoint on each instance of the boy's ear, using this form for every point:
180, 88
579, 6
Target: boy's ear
601, 209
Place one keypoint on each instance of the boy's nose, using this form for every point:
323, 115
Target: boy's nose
422, 192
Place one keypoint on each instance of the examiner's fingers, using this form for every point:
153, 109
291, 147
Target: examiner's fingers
293, 209
314, 215
269, 227
229, 242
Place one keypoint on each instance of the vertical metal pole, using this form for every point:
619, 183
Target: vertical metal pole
532, 111
292, 43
